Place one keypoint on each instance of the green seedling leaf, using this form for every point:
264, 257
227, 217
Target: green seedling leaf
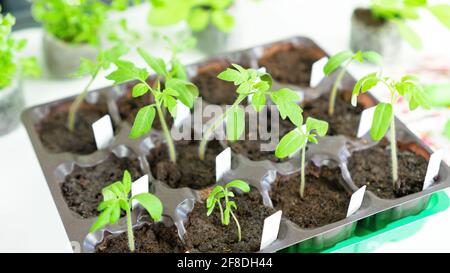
178, 70
381, 121
102, 220
232, 75
290, 143
157, 64
235, 123
442, 13
286, 102
187, 92
319, 126
111, 55
140, 89
127, 71
151, 203
143, 122
336, 61
126, 180
372, 57
239, 184
258, 101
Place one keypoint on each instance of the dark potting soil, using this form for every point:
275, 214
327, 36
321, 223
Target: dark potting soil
345, 120
214, 90
372, 167
56, 136
129, 107
82, 189
366, 16
252, 148
148, 238
189, 171
207, 234
325, 200
292, 65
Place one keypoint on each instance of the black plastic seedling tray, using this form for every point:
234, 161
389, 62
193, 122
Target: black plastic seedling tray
332, 150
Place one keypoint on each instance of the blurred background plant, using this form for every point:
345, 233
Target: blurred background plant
12, 65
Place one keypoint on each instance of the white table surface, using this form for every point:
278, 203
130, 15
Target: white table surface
29, 220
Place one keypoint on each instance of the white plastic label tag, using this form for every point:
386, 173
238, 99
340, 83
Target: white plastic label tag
223, 163
139, 186
270, 229
183, 112
433, 168
365, 122
356, 201
317, 72
103, 132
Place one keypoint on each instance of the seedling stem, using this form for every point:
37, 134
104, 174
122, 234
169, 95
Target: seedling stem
336, 85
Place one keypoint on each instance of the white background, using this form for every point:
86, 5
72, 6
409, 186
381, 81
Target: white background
29, 221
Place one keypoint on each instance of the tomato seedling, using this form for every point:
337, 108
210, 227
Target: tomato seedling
224, 193
408, 87
298, 139
345, 58
258, 85
116, 198
176, 88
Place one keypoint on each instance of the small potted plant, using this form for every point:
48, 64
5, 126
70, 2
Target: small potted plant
231, 220
12, 68
116, 198
258, 85
325, 199
72, 31
408, 87
379, 27
209, 20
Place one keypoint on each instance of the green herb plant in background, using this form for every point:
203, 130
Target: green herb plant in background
224, 193
11, 64
76, 22
258, 85
116, 198
345, 58
176, 88
197, 13
298, 139
399, 11
408, 87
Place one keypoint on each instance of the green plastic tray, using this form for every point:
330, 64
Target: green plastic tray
365, 240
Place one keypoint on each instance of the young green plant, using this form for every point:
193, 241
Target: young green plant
398, 11
11, 65
344, 59
176, 88
298, 139
75, 22
408, 87
257, 85
224, 193
104, 60
197, 13
116, 198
